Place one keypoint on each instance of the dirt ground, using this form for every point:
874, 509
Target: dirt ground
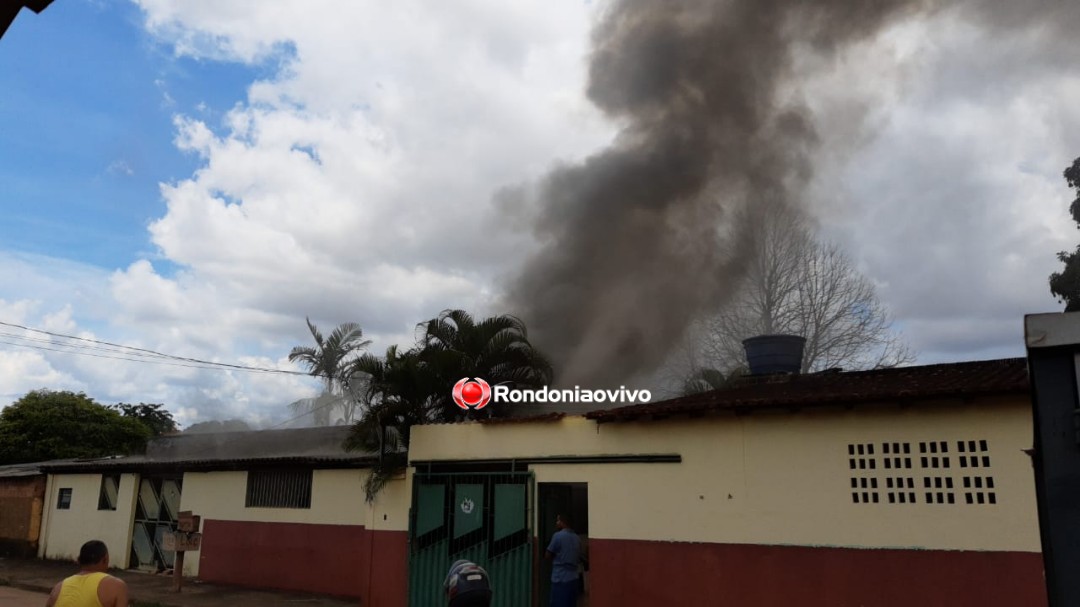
33, 577
13, 597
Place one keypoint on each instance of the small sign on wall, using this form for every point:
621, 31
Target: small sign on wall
179, 541
188, 522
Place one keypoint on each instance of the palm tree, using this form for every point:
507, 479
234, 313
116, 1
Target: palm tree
404, 389
331, 360
708, 380
496, 349
402, 392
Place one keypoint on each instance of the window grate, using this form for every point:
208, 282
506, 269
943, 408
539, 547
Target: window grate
278, 489
979, 490
861, 457
110, 489
936, 458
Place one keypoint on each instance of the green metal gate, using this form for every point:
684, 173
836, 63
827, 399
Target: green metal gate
156, 513
482, 517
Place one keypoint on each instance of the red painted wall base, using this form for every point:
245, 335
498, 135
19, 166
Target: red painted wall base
341, 560
628, 573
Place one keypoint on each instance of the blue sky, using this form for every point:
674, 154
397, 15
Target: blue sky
86, 128
155, 190
137, 209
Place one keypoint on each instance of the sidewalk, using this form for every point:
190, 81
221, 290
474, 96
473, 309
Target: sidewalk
147, 590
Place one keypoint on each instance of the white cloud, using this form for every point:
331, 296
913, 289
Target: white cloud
356, 182
167, 100
955, 205
23, 371
120, 167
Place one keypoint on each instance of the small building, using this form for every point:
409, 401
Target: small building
906, 486
22, 497
280, 509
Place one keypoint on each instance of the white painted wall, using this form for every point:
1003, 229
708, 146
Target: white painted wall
337, 498
65, 531
776, 478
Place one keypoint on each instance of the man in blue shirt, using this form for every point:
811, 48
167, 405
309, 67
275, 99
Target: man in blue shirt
564, 552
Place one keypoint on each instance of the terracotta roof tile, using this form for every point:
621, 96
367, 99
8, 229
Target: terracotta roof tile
546, 417
980, 378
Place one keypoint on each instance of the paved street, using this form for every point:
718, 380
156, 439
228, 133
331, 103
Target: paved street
11, 597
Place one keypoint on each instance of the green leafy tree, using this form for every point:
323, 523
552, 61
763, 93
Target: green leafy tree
154, 416
1065, 285
408, 388
330, 361
402, 392
496, 349
46, 424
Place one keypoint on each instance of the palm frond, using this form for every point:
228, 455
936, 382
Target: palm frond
381, 475
708, 380
315, 333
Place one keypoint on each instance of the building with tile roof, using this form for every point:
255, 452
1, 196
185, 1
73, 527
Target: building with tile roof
897, 487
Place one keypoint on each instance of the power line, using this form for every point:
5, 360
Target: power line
141, 355
109, 350
53, 342
138, 360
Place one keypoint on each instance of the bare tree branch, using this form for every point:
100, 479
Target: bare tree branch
796, 284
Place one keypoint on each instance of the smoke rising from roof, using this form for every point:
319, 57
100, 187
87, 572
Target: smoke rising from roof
641, 238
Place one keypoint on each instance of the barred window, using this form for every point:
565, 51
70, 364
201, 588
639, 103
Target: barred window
278, 489
110, 488
939, 461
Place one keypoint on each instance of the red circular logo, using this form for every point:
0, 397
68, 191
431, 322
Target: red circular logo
472, 394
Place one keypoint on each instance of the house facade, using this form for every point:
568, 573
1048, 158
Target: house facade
894, 487
22, 500
891, 487
279, 509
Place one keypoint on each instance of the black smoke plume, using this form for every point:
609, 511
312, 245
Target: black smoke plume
644, 236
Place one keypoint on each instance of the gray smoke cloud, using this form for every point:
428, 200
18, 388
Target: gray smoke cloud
642, 237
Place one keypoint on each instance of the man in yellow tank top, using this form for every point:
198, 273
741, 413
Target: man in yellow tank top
91, 586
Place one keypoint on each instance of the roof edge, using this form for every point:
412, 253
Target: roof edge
712, 400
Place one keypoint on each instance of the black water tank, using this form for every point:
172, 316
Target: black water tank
774, 353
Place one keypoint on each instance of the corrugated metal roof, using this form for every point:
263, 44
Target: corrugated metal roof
323, 446
965, 379
20, 470
299, 442
38, 468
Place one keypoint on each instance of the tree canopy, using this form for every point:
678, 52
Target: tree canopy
1065, 285
330, 360
406, 388
46, 424
154, 416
